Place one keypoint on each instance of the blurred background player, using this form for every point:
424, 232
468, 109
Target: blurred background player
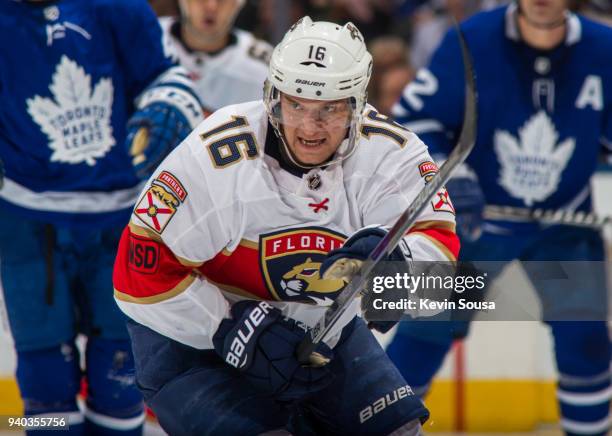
430, 19
228, 65
545, 115
260, 194
71, 74
391, 72
164, 7
600, 10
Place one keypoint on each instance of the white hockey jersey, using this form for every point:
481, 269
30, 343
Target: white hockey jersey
233, 75
222, 220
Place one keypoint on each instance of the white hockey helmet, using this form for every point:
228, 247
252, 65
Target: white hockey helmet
319, 61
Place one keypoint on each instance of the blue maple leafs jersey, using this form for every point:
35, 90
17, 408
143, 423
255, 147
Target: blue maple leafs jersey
69, 75
544, 116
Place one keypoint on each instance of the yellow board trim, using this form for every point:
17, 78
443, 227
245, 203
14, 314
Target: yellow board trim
10, 401
494, 405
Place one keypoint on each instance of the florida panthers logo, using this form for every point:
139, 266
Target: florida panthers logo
290, 262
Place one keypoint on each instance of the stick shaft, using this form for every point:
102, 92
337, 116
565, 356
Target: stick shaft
547, 216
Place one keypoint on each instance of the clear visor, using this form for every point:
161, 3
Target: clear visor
294, 112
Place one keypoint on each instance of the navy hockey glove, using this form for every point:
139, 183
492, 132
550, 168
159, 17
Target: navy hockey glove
469, 203
152, 133
166, 113
345, 261
261, 343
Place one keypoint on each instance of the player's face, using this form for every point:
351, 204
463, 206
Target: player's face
211, 18
543, 12
314, 129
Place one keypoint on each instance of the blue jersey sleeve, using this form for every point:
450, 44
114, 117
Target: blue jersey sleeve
138, 40
432, 105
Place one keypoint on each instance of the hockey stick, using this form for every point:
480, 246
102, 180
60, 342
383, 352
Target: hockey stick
546, 216
358, 282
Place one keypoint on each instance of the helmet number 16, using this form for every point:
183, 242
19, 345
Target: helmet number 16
319, 53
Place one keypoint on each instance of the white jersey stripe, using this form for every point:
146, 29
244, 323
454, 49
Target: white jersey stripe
114, 423
584, 398
398, 111
424, 126
69, 202
586, 428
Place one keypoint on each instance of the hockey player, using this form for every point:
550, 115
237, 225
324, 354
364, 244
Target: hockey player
228, 65
71, 73
545, 104
221, 265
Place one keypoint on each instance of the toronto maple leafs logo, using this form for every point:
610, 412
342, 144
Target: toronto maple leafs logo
76, 120
530, 169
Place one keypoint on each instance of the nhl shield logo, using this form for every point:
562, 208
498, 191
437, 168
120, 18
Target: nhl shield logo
290, 262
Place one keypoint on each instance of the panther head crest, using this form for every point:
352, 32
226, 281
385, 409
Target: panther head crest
304, 278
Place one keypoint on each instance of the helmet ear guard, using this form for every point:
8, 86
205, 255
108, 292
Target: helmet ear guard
320, 61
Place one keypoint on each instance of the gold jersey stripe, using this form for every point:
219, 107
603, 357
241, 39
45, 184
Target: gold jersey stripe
433, 224
243, 243
144, 232
443, 248
249, 244
234, 290
187, 262
178, 289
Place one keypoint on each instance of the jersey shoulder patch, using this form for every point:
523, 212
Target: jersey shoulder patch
158, 205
